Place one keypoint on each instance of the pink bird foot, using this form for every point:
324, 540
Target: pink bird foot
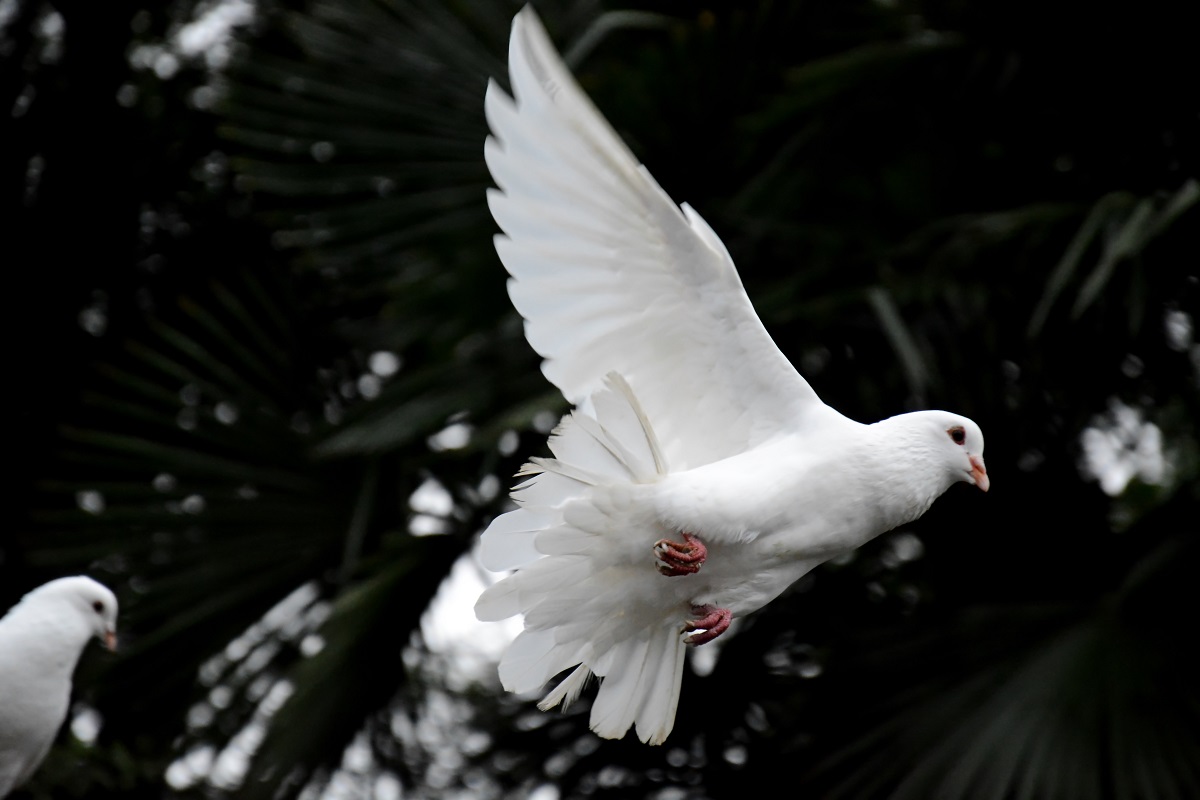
673, 558
712, 623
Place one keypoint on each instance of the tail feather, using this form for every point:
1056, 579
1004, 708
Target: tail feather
584, 608
602, 634
566, 469
565, 540
616, 705
575, 442
567, 692
528, 587
585, 583
547, 489
534, 658
661, 698
642, 689
587, 517
510, 543
624, 417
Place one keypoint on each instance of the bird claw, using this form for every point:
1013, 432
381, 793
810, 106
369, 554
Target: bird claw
674, 558
712, 622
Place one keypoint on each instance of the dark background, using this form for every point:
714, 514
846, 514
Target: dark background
988, 207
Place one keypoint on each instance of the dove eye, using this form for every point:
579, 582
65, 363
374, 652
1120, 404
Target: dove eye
98, 606
958, 435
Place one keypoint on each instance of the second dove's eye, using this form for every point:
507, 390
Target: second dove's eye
958, 435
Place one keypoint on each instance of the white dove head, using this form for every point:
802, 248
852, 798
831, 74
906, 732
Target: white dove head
957, 443
934, 450
90, 600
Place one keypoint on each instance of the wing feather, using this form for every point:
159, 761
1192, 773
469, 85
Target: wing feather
612, 276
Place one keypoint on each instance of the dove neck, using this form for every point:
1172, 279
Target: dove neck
909, 475
50, 635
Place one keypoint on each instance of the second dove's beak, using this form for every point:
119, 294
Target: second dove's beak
110, 640
979, 473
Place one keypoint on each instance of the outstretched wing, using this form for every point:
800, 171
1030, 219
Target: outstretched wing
611, 275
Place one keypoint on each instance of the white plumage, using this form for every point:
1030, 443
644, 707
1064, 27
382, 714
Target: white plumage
41, 639
688, 420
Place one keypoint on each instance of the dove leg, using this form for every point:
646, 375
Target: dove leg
712, 622
674, 558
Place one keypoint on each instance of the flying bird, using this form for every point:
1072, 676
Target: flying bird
698, 474
41, 639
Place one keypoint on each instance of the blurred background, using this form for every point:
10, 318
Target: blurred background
267, 386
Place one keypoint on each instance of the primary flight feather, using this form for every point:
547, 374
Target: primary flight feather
699, 474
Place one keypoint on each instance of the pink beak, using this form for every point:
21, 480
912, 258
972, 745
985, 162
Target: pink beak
110, 640
979, 473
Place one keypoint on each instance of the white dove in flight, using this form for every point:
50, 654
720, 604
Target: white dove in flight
41, 639
699, 474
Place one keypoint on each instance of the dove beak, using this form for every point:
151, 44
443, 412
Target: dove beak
979, 473
110, 640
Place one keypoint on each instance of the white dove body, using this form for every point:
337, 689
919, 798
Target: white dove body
771, 514
700, 475
41, 639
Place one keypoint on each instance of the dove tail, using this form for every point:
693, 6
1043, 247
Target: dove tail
585, 580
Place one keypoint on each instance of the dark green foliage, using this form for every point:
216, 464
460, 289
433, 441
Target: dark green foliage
990, 208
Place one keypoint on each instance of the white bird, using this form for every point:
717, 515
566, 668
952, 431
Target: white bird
699, 474
41, 639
